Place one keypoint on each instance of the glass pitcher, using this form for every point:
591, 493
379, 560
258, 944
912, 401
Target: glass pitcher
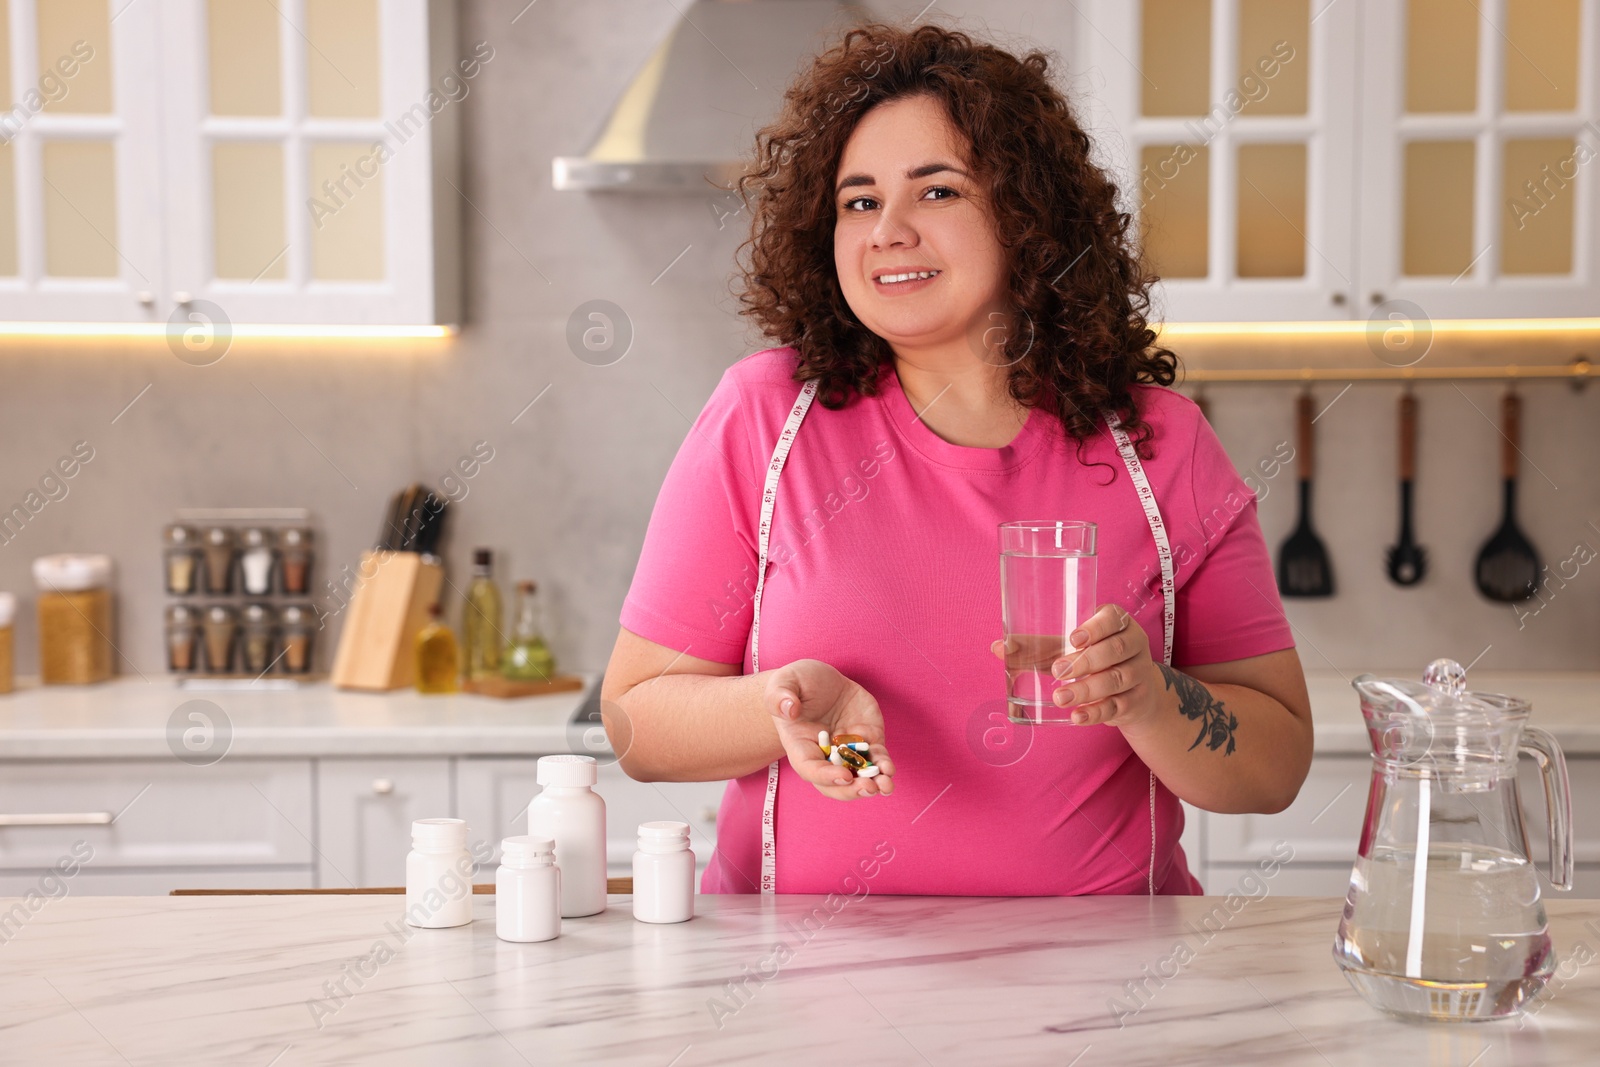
1443, 919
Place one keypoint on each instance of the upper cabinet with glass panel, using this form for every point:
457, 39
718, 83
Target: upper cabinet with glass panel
1479, 130
1310, 159
288, 161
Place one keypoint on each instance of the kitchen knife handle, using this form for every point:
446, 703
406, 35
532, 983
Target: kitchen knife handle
1511, 433
1408, 437
1303, 428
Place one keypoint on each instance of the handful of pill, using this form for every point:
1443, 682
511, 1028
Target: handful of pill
848, 750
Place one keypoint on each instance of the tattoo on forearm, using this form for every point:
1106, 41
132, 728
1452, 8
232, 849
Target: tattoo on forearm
1217, 723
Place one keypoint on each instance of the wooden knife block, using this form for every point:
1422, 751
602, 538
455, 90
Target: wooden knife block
377, 649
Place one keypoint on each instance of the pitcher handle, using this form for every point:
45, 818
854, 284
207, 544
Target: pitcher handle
1557, 800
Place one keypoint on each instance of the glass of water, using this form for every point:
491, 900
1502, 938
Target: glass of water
1047, 589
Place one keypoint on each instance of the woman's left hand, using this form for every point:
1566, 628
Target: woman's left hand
1114, 680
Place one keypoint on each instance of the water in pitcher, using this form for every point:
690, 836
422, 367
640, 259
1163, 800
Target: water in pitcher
1484, 949
1044, 598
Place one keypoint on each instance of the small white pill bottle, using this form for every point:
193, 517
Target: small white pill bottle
569, 812
527, 890
663, 874
439, 874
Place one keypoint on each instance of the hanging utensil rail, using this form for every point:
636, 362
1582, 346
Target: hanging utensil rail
1577, 372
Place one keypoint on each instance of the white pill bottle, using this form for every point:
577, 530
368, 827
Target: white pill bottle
570, 813
439, 874
663, 874
527, 890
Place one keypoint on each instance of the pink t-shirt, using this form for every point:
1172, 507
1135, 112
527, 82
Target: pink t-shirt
884, 562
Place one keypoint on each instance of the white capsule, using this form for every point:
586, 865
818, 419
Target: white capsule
869, 771
836, 759
822, 738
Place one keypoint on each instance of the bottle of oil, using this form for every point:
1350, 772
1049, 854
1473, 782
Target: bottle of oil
481, 619
438, 660
527, 657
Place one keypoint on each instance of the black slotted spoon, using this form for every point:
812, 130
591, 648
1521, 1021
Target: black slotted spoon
1507, 569
1407, 561
1304, 568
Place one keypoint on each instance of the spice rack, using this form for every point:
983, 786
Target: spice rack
238, 584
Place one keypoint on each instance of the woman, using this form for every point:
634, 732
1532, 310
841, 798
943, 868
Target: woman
948, 273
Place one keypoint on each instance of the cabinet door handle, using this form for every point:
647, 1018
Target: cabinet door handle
63, 818
383, 786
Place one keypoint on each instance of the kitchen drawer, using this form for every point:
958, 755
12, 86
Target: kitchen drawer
140, 883
365, 808
1323, 824
166, 813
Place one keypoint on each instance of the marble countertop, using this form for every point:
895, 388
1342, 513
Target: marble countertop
129, 718
285, 981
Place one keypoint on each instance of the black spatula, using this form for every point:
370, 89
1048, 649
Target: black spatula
1408, 561
1303, 565
1508, 565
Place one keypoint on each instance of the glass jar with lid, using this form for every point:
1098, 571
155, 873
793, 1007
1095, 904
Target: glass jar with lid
260, 627
181, 559
294, 550
256, 558
74, 618
183, 638
299, 628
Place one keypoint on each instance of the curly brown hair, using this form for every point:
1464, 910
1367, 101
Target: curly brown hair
1089, 340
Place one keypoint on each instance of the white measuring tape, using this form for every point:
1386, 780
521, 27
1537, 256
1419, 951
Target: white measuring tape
769, 497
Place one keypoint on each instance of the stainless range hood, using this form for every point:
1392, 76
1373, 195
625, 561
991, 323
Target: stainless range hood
690, 114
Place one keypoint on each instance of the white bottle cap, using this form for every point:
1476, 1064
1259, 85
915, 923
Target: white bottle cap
663, 836
567, 770
527, 851
71, 573
8, 608
439, 833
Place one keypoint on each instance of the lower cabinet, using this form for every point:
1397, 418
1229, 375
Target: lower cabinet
365, 808
151, 826
1321, 830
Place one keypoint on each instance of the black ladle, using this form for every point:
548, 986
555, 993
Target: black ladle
1408, 561
1303, 565
1508, 565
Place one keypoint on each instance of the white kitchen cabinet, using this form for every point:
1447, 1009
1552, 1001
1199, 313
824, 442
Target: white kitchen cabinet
156, 815
1230, 126
80, 166
629, 803
1323, 826
1437, 152
215, 163
1478, 147
365, 808
492, 794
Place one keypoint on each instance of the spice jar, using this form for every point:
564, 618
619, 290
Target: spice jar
259, 623
299, 624
183, 638
8, 611
255, 561
74, 618
219, 546
182, 558
294, 545
221, 627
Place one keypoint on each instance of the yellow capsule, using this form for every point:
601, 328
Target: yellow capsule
852, 759
849, 739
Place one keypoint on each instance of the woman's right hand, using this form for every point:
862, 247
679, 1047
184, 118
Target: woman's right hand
808, 696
